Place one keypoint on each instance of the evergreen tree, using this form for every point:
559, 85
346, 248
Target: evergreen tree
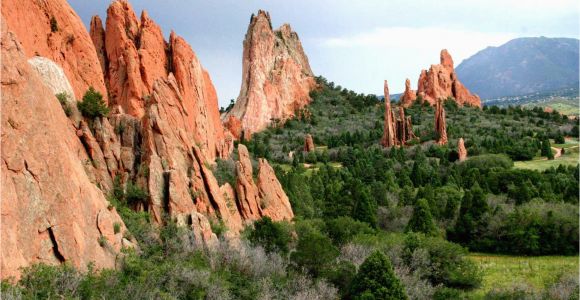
546, 149
365, 208
473, 207
377, 280
421, 220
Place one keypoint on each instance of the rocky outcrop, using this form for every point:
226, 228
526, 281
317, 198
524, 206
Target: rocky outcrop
234, 126
461, 150
308, 143
273, 200
441, 82
396, 132
53, 30
409, 96
276, 76
388, 139
51, 211
266, 198
138, 58
440, 123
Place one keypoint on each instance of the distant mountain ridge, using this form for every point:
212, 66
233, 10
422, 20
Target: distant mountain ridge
522, 66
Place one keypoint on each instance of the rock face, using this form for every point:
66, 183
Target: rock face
234, 126
267, 198
51, 211
276, 76
162, 136
409, 96
461, 150
396, 132
388, 139
53, 30
440, 123
308, 143
441, 82
137, 58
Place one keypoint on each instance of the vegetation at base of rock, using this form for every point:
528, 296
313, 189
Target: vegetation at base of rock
63, 99
53, 24
93, 105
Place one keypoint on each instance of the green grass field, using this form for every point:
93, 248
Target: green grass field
503, 271
569, 158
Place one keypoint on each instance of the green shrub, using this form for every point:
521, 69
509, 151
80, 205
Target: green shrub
53, 24
116, 227
63, 99
92, 105
421, 219
377, 280
342, 229
135, 195
272, 236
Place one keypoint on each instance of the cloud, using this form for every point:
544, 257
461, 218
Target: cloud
461, 43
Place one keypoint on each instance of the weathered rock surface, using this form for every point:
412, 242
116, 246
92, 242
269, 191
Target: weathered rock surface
138, 57
70, 45
441, 82
308, 143
388, 139
396, 132
461, 150
234, 125
274, 202
51, 212
276, 76
440, 123
409, 96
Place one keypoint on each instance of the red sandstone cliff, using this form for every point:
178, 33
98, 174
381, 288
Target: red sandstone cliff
441, 82
440, 123
276, 76
51, 211
396, 132
53, 30
162, 135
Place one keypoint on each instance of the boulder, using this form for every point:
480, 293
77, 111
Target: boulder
461, 150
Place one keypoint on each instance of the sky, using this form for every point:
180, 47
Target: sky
356, 44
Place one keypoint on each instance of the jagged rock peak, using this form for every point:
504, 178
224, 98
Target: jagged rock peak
409, 96
276, 76
440, 82
388, 139
53, 30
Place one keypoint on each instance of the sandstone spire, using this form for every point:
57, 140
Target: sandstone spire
440, 82
388, 139
440, 123
409, 96
461, 150
276, 76
308, 143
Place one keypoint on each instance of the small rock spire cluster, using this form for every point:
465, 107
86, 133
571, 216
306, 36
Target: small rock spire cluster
440, 123
396, 132
439, 82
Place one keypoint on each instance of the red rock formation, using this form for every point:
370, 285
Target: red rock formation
440, 123
441, 82
389, 137
409, 96
276, 76
461, 150
274, 202
98, 38
51, 212
138, 57
308, 143
70, 45
404, 128
266, 198
234, 125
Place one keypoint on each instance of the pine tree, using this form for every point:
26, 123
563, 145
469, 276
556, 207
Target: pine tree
377, 280
546, 149
422, 220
